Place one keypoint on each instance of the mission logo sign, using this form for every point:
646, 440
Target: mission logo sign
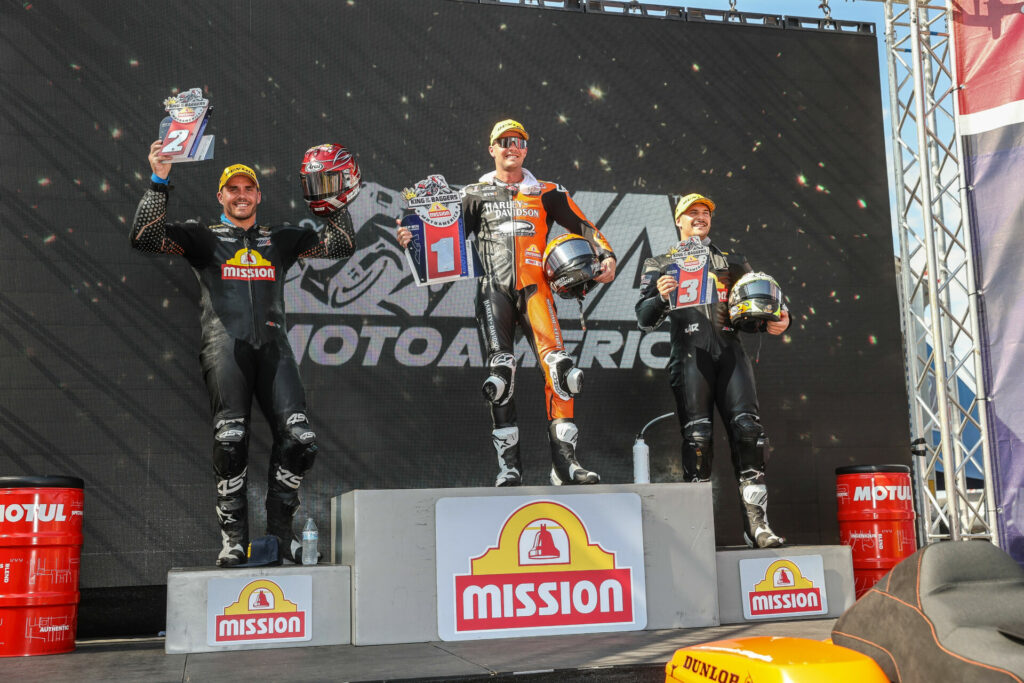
775, 587
254, 611
512, 566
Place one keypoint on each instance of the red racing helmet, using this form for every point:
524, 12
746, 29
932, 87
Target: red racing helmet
330, 178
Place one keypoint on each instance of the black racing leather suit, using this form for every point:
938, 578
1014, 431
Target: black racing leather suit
245, 349
707, 367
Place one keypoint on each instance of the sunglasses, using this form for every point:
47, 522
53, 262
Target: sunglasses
512, 141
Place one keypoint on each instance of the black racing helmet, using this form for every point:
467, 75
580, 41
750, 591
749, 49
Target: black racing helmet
570, 264
754, 301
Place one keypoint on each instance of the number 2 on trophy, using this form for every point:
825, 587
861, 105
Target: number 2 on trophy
176, 141
444, 249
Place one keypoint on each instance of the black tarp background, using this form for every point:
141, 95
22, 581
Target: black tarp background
98, 344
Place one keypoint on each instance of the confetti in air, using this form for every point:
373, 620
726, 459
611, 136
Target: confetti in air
873, 340
695, 66
50, 240
133, 62
862, 204
595, 92
44, 182
563, 119
801, 180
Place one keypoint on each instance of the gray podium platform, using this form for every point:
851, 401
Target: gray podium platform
836, 584
387, 537
329, 612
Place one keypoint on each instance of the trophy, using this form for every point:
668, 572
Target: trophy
439, 251
181, 133
691, 267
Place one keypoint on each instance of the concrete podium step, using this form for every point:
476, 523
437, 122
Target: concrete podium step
795, 582
406, 590
215, 610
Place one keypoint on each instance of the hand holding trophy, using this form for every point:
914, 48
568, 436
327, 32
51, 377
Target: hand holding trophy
438, 250
182, 136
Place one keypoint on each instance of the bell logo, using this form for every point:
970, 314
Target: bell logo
784, 591
261, 613
247, 264
543, 572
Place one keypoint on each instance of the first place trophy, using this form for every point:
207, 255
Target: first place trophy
182, 133
439, 251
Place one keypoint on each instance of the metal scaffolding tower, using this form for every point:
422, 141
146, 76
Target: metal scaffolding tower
938, 289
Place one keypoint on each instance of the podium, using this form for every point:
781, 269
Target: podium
427, 565
390, 539
215, 610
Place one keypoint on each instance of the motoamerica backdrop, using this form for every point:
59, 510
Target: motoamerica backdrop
99, 375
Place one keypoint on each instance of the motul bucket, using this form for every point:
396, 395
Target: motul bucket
40, 553
876, 519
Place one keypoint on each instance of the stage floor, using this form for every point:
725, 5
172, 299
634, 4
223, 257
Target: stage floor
624, 656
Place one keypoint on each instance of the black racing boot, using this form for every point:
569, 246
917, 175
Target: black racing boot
281, 507
565, 469
233, 517
506, 444
754, 501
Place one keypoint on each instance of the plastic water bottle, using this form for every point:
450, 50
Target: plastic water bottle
310, 539
641, 462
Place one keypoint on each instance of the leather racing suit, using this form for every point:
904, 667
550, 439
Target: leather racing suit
708, 367
245, 351
511, 224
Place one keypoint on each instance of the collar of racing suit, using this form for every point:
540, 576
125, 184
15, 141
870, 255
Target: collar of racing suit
529, 185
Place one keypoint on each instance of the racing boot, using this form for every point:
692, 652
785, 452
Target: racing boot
754, 501
281, 507
506, 443
565, 469
233, 517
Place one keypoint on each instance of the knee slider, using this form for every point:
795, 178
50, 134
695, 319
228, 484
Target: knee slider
748, 430
566, 378
699, 436
500, 384
230, 450
298, 451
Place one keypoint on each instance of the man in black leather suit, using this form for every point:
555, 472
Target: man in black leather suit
709, 367
241, 269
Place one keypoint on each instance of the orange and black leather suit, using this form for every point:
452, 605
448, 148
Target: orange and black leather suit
512, 224
245, 350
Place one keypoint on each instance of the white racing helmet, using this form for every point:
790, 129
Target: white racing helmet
754, 301
570, 264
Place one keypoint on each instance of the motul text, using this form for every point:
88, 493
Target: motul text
507, 601
31, 512
878, 493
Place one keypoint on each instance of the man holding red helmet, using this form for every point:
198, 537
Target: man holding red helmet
511, 214
245, 352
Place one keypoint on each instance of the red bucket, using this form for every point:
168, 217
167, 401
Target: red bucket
876, 519
40, 554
